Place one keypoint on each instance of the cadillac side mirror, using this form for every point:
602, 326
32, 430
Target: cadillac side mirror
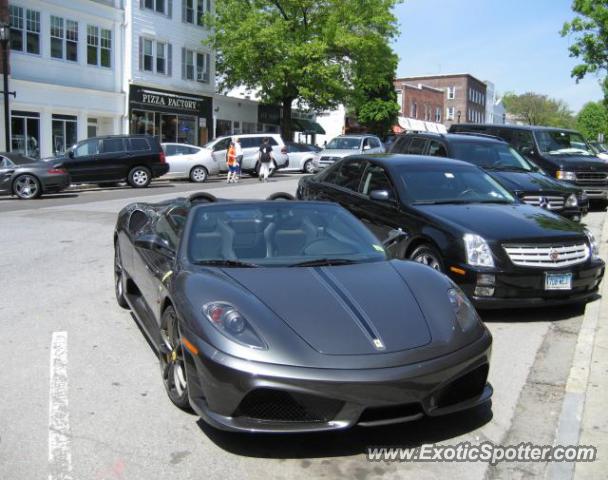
380, 195
393, 237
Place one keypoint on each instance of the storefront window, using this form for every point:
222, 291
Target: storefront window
25, 131
223, 128
168, 128
142, 122
63, 133
186, 131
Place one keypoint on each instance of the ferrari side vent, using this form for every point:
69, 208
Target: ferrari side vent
280, 406
281, 196
464, 388
202, 197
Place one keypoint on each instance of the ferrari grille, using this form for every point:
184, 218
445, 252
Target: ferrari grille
463, 388
547, 256
280, 406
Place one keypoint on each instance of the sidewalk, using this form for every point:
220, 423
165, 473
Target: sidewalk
594, 424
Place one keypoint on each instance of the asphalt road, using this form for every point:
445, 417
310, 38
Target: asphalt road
101, 407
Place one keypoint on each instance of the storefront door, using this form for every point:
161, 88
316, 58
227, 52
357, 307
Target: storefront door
25, 133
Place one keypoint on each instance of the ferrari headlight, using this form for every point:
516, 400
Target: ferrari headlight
593, 247
572, 201
466, 315
565, 175
229, 321
478, 251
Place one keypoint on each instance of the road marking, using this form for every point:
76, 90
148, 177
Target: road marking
60, 453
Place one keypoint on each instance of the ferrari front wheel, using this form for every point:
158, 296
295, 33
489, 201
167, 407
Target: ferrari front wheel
119, 283
172, 362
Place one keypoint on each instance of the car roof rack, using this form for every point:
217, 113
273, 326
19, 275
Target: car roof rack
479, 134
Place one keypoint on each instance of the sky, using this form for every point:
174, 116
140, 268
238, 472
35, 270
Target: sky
513, 43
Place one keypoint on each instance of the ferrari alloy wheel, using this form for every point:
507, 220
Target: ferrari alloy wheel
119, 283
27, 187
309, 167
172, 364
140, 177
198, 174
427, 255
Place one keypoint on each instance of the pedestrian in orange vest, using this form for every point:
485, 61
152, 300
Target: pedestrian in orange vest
231, 163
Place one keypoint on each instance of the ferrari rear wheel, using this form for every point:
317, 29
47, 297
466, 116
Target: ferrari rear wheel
172, 363
119, 283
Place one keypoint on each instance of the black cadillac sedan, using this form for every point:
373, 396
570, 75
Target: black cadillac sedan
461, 221
286, 316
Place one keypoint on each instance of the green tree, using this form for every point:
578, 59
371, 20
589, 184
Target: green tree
537, 109
377, 107
592, 120
319, 53
590, 29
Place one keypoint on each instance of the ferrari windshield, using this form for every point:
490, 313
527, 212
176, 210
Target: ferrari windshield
556, 142
451, 184
278, 234
493, 156
344, 143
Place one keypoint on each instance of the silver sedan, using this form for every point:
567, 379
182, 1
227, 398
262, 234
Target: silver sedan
301, 157
189, 161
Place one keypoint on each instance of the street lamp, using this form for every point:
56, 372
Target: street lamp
5, 32
458, 115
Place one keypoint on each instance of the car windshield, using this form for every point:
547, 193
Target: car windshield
493, 156
344, 143
450, 184
279, 234
557, 142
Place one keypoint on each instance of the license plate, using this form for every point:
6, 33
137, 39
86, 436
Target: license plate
558, 281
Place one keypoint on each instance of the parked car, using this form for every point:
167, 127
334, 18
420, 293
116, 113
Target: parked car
345, 145
136, 159
301, 156
27, 178
288, 316
461, 221
563, 154
600, 150
189, 161
505, 164
250, 143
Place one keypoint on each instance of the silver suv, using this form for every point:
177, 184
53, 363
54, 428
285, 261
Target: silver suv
345, 145
250, 143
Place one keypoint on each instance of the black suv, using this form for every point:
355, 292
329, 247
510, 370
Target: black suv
116, 158
563, 154
507, 166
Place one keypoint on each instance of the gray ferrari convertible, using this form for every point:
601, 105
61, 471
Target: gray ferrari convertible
289, 316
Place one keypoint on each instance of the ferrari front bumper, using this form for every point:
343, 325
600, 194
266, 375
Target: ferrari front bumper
234, 394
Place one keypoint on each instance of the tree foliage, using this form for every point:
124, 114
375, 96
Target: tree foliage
537, 109
590, 29
319, 53
592, 120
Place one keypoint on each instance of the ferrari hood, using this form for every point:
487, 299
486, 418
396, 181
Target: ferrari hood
342, 310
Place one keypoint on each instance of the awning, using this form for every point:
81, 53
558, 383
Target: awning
306, 126
412, 124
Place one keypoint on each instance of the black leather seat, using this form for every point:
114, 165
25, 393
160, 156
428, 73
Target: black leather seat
289, 236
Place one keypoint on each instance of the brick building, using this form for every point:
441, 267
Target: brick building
420, 101
464, 96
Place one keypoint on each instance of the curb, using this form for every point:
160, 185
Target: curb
571, 415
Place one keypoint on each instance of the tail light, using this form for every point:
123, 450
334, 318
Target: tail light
57, 171
161, 157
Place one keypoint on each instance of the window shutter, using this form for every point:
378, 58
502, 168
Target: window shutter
170, 8
169, 60
184, 11
141, 4
141, 54
183, 63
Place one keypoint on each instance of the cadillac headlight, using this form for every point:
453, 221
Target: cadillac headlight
466, 315
565, 175
593, 247
572, 201
229, 321
478, 251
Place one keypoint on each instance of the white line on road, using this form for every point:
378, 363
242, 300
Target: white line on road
60, 454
